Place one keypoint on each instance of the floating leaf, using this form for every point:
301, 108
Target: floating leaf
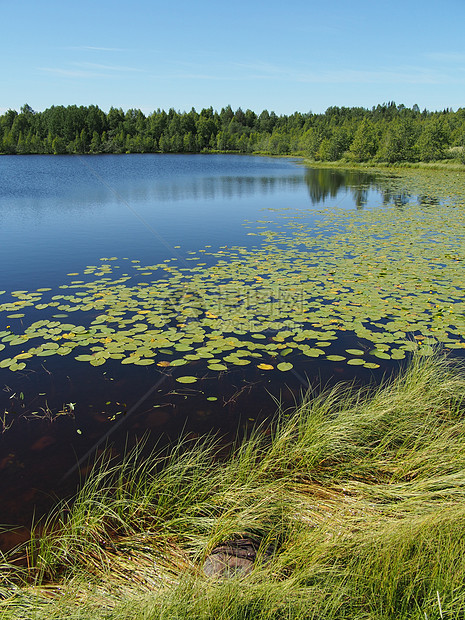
97, 361
313, 352
179, 362
217, 367
265, 366
17, 366
426, 350
284, 366
187, 379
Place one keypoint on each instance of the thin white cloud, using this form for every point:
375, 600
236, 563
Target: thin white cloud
396, 75
93, 48
93, 65
267, 69
199, 76
448, 57
72, 73
383, 76
90, 70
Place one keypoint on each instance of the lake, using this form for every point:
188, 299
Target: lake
62, 213
181, 293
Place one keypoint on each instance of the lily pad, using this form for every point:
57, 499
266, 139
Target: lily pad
265, 367
186, 379
284, 366
217, 367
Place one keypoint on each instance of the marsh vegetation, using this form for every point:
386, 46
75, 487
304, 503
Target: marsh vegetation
358, 493
353, 496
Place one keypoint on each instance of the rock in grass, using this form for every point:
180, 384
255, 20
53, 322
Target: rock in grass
233, 559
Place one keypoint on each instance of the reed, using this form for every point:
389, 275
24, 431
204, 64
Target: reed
359, 494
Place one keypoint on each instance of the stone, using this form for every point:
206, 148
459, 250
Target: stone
235, 558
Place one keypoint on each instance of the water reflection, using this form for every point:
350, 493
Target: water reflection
43, 184
210, 188
323, 183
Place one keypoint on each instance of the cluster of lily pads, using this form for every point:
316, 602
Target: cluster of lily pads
390, 279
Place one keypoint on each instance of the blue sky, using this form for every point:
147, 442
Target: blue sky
283, 56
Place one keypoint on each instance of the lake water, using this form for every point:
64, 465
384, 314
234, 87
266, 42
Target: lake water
61, 215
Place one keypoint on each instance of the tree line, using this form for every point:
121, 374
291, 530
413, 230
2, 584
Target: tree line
385, 133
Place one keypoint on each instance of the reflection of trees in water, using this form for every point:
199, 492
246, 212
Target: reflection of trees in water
325, 183
428, 201
398, 199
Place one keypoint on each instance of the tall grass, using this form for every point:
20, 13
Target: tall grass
360, 494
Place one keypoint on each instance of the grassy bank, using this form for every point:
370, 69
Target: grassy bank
453, 165
358, 493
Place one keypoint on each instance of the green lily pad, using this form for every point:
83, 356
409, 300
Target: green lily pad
180, 362
46, 352
98, 361
20, 366
217, 367
187, 379
426, 350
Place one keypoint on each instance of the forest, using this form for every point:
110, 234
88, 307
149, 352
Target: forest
386, 133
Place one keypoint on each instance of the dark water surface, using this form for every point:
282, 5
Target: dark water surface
60, 214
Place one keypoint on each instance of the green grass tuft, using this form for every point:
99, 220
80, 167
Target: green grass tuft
359, 493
